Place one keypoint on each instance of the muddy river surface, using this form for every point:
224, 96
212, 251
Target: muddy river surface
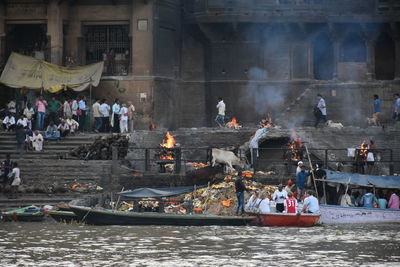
57, 244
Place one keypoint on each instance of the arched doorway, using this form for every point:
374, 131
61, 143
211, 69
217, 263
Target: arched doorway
384, 58
323, 58
353, 49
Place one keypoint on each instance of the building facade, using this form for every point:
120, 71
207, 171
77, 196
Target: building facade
174, 58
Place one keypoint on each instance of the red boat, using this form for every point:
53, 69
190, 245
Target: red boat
285, 219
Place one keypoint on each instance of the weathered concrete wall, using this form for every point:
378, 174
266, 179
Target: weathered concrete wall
139, 91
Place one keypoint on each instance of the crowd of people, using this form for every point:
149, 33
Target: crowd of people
337, 194
304, 189
285, 200
55, 119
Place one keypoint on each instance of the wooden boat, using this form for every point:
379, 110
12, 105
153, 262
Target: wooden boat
285, 219
26, 214
63, 216
332, 214
114, 217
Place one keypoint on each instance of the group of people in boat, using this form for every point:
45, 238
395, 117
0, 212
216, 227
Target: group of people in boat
260, 201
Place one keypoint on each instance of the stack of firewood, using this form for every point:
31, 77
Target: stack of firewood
101, 149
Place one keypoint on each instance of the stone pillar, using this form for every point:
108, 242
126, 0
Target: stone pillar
336, 40
370, 45
397, 60
55, 31
310, 59
142, 27
336, 57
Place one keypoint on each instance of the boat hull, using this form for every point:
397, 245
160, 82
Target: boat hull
284, 219
24, 217
26, 214
331, 214
63, 216
109, 217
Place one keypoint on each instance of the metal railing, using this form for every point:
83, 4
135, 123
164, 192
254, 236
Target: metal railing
262, 158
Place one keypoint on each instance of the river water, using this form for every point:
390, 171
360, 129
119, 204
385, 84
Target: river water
56, 244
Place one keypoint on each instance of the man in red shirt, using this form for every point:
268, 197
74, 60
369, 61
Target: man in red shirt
290, 204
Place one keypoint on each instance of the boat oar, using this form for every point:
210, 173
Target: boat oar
311, 169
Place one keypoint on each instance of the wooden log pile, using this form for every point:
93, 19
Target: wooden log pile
101, 149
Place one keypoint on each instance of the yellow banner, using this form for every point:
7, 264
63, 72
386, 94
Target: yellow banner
31, 73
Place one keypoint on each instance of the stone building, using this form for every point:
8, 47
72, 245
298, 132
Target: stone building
173, 58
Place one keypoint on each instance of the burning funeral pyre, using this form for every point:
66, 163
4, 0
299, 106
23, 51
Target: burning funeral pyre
233, 124
165, 158
295, 148
168, 145
362, 151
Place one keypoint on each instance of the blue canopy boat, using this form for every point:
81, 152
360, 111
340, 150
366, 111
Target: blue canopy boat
335, 214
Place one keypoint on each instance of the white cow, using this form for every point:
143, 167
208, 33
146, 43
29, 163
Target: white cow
335, 125
226, 157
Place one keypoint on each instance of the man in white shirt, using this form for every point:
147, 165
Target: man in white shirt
105, 111
123, 119
263, 207
82, 118
15, 173
299, 164
221, 112
37, 141
22, 121
311, 204
29, 114
97, 116
11, 106
9, 122
116, 109
279, 197
321, 106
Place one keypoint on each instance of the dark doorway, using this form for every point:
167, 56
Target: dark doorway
384, 58
353, 49
27, 39
323, 58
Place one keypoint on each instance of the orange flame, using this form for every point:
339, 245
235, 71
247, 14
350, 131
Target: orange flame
363, 149
294, 145
247, 174
169, 142
233, 123
152, 127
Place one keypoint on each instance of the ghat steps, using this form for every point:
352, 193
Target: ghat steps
46, 168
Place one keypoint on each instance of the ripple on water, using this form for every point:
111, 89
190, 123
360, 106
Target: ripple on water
47, 244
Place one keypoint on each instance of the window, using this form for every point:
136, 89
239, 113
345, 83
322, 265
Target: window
109, 43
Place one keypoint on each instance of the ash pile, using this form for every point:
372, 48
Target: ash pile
101, 148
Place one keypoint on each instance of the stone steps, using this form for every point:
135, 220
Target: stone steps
36, 199
46, 168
